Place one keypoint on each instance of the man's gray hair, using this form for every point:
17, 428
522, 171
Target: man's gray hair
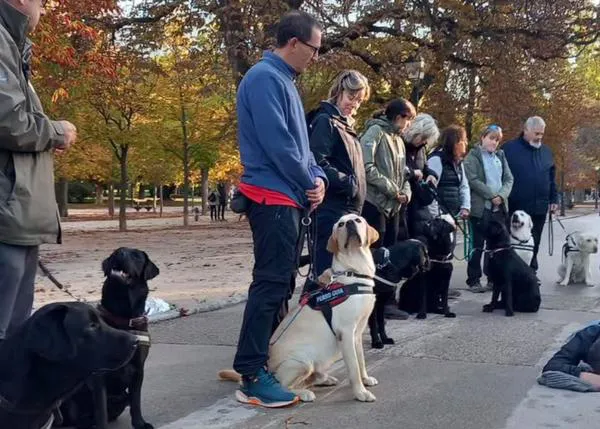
423, 125
534, 122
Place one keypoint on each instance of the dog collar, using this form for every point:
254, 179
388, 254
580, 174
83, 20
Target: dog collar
335, 275
137, 323
521, 241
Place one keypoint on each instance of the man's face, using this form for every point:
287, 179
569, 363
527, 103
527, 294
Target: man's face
34, 9
534, 134
306, 53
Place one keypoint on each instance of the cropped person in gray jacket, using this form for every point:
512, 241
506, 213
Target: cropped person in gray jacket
490, 181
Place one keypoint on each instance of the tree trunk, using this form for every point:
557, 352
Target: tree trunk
62, 197
154, 199
186, 159
111, 200
204, 191
160, 199
471, 104
141, 192
124, 185
99, 190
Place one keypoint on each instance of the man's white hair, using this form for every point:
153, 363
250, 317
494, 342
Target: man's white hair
423, 125
534, 122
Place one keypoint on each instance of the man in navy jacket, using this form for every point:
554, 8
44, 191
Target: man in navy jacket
532, 166
282, 180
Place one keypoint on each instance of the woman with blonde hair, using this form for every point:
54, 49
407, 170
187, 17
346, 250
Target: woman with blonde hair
336, 148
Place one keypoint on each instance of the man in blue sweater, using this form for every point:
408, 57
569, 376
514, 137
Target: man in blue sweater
282, 181
534, 189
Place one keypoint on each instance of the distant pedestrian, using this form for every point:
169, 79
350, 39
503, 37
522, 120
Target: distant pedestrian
222, 199
213, 199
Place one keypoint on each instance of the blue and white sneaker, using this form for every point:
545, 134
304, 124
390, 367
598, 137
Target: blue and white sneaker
264, 390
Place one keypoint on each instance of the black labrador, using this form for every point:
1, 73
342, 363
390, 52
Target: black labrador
103, 399
512, 277
400, 262
428, 292
50, 356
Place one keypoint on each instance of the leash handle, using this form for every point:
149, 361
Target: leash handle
550, 234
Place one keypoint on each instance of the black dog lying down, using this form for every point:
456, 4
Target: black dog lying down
428, 292
512, 277
51, 355
123, 303
400, 262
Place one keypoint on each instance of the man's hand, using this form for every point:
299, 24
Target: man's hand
553, 208
70, 136
432, 180
402, 198
418, 174
316, 195
497, 201
464, 213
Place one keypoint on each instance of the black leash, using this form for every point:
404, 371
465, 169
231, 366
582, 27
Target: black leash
308, 230
55, 281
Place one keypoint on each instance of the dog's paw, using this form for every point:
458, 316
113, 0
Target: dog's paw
370, 381
306, 395
326, 380
143, 425
364, 396
488, 308
450, 315
509, 313
377, 344
387, 340
422, 316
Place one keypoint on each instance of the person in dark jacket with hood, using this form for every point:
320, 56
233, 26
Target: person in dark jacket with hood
583, 346
532, 166
336, 148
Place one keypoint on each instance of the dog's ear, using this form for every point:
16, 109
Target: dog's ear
332, 243
151, 270
107, 265
372, 235
48, 336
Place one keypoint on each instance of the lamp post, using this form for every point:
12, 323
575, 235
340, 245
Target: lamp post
415, 68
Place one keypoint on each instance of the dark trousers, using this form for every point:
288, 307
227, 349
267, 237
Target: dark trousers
388, 228
474, 265
213, 213
221, 213
536, 232
18, 266
325, 217
275, 233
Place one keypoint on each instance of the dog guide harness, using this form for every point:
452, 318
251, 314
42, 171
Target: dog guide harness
325, 298
522, 244
569, 247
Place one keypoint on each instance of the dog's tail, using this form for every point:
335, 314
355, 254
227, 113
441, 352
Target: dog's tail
229, 375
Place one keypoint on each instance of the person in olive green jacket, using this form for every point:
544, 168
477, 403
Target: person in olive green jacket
490, 181
388, 188
28, 139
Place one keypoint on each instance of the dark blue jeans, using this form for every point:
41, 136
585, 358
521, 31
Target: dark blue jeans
275, 233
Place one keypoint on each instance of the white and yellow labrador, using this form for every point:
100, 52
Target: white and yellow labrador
304, 346
521, 238
575, 268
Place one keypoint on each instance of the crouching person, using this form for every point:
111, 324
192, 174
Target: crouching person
576, 366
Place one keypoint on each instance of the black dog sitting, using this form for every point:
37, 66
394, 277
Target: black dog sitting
428, 292
400, 262
57, 349
124, 294
511, 276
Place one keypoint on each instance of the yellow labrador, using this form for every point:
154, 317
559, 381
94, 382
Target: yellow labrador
304, 346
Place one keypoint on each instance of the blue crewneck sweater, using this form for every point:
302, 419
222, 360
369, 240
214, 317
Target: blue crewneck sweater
272, 131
